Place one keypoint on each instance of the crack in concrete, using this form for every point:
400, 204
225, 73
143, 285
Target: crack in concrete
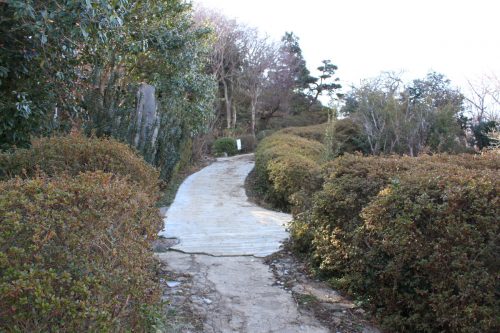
214, 255
223, 249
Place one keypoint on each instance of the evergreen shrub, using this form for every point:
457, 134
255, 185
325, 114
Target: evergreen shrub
285, 165
416, 239
430, 252
75, 254
76, 153
225, 145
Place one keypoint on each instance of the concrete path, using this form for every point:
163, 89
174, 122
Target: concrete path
222, 239
236, 295
211, 214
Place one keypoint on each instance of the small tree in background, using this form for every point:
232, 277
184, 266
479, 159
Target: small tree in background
408, 119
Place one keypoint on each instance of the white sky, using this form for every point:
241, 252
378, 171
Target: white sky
460, 38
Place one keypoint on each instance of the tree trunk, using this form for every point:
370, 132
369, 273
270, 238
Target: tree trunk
234, 116
146, 117
227, 99
254, 111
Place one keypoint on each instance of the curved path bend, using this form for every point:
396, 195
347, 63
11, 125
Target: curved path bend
222, 237
211, 214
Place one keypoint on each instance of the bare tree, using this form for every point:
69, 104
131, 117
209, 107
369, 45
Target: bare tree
287, 77
228, 50
260, 56
483, 98
406, 119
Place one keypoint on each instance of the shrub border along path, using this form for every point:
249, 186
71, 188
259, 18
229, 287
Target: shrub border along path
335, 221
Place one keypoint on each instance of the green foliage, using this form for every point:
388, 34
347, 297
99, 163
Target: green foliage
287, 166
431, 259
325, 82
292, 178
291, 53
75, 256
481, 131
74, 154
46, 45
413, 238
344, 136
81, 62
225, 145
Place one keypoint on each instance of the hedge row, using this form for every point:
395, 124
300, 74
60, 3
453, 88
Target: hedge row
430, 252
287, 166
416, 240
75, 238
313, 132
76, 153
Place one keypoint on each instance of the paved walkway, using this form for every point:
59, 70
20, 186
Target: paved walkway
222, 239
211, 214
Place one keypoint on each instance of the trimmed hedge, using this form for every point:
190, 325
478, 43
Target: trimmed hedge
75, 253
431, 245
351, 181
287, 169
292, 176
225, 145
314, 132
488, 159
416, 239
76, 153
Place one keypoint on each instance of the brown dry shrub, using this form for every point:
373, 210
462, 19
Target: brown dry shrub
488, 159
76, 153
75, 255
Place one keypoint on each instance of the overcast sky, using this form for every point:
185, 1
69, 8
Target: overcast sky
460, 38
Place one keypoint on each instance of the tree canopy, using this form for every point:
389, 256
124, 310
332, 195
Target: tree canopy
80, 63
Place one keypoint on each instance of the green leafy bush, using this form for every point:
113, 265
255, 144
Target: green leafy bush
431, 245
291, 175
75, 255
76, 153
285, 165
413, 238
313, 132
225, 145
351, 181
344, 136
